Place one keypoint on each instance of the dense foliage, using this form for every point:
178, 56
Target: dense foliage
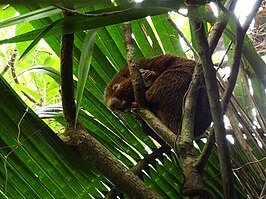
37, 164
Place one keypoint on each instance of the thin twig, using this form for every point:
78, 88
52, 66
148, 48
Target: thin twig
30, 98
240, 35
222, 60
206, 152
19, 143
10, 63
248, 163
263, 191
183, 37
103, 14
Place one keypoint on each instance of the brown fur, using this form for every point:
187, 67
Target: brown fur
165, 95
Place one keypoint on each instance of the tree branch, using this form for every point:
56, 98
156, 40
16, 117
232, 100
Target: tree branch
240, 35
219, 26
133, 67
67, 84
105, 162
185, 148
157, 126
88, 147
149, 118
142, 164
194, 184
206, 152
216, 109
239, 40
180, 33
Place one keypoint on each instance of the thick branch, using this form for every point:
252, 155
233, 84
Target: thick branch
216, 109
185, 139
133, 67
252, 15
194, 184
67, 84
219, 26
213, 39
89, 148
105, 162
185, 148
157, 126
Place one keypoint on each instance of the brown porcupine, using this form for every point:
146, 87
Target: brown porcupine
170, 75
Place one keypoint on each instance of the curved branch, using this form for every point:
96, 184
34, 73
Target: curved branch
106, 163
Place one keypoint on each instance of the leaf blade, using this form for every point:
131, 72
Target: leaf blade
85, 62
